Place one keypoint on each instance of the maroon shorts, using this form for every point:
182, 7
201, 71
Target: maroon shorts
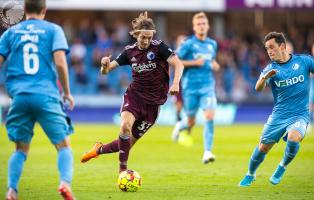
145, 114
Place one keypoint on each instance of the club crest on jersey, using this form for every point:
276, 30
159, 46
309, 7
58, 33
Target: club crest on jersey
150, 55
290, 81
296, 66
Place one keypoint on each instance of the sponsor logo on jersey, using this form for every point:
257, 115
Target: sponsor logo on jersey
150, 55
290, 81
143, 67
296, 66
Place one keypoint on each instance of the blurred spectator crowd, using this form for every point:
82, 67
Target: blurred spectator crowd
241, 58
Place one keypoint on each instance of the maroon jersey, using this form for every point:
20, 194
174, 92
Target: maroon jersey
150, 71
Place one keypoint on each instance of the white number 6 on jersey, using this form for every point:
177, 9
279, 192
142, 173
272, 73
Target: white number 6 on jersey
31, 60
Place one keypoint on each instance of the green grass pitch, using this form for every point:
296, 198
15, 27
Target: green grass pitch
169, 171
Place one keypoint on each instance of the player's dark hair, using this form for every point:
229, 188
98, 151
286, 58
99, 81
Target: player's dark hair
34, 6
142, 22
279, 37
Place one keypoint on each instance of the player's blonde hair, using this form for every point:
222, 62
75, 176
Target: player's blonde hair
142, 23
200, 15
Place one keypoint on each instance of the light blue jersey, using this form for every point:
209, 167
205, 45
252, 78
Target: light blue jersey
31, 80
198, 77
28, 48
290, 87
198, 83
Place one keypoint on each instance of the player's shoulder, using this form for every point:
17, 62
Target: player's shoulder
189, 39
211, 41
130, 47
302, 56
270, 66
156, 42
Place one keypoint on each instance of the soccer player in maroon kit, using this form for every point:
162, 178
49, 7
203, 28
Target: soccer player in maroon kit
150, 60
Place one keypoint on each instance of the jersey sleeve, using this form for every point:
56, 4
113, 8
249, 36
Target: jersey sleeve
4, 44
183, 50
265, 71
122, 59
164, 51
59, 40
309, 60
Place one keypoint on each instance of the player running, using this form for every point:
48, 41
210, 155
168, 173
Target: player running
288, 75
198, 54
150, 60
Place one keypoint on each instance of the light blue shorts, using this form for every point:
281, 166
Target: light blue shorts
192, 101
274, 130
26, 109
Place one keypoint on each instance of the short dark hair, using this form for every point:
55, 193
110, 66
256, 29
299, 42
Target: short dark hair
34, 6
279, 37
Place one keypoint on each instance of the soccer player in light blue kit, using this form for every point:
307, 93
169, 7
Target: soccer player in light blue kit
288, 75
34, 51
198, 54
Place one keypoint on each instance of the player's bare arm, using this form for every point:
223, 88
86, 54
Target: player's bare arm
62, 68
261, 83
1, 60
178, 69
215, 65
107, 66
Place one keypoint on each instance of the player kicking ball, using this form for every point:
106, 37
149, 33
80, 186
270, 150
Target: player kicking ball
150, 60
288, 75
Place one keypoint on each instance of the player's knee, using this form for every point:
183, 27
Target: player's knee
264, 147
126, 128
63, 144
191, 122
23, 147
209, 115
295, 136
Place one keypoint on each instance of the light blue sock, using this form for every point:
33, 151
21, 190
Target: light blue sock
65, 164
208, 135
291, 151
256, 159
16, 164
183, 125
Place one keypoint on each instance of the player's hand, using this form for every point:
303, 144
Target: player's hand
199, 62
269, 74
69, 98
174, 89
105, 62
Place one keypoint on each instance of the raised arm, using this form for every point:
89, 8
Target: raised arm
261, 83
178, 69
62, 68
107, 66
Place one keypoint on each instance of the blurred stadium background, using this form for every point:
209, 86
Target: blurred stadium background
100, 27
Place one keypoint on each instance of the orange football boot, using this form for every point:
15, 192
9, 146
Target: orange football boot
91, 153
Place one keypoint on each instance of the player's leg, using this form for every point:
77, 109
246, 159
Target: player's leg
257, 158
208, 136
57, 126
19, 124
208, 104
296, 133
65, 167
272, 132
127, 121
15, 165
190, 105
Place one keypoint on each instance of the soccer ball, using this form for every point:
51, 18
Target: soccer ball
129, 181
